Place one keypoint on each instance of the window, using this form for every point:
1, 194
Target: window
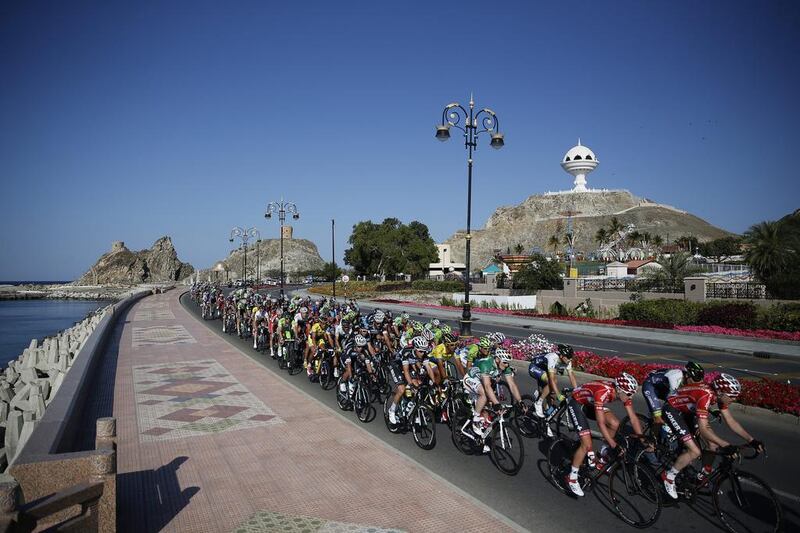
588, 158
578, 157
567, 159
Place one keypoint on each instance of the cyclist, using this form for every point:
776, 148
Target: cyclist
590, 400
444, 352
543, 370
478, 383
661, 384
356, 354
403, 371
695, 400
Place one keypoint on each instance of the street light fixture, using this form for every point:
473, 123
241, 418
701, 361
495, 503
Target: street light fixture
245, 235
282, 208
484, 121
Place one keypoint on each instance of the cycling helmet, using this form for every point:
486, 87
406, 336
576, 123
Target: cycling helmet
428, 335
485, 342
499, 337
405, 316
565, 350
435, 322
379, 316
503, 355
448, 338
728, 385
695, 371
420, 343
417, 325
360, 340
627, 383
446, 329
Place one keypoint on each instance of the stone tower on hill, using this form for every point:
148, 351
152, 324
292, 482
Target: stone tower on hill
121, 266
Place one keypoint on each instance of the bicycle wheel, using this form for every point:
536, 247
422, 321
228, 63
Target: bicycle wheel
342, 398
506, 449
295, 361
524, 421
423, 426
393, 428
365, 411
559, 461
326, 380
635, 494
745, 503
463, 443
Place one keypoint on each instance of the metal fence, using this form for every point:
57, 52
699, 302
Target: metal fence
737, 289
629, 285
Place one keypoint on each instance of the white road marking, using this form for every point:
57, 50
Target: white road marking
755, 371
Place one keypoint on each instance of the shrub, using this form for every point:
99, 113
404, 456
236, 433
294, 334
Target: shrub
677, 312
736, 315
435, 285
558, 309
780, 317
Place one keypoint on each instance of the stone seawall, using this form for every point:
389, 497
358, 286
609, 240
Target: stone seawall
30, 382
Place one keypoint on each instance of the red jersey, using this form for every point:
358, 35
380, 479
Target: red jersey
597, 393
696, 399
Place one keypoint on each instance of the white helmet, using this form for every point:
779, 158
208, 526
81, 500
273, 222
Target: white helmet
503, 355
428, 335
379, 316
420, 343
360, 340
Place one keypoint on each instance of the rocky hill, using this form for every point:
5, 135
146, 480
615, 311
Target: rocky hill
300, 255
535, 220
121, 266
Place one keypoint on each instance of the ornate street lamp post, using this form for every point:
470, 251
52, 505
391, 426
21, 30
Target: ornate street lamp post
244, 235
484, 121
282, 208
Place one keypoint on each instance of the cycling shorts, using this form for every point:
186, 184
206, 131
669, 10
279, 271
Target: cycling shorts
396, 376
472, 386
577, 417
538, 373
676, 423
653, 397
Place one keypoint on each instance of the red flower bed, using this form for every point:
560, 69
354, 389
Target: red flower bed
757, 333
774, 395
609, 321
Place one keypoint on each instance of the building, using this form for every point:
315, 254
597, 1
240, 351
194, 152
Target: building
617, 269
445, 265
639, 267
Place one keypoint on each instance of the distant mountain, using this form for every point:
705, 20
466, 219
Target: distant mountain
535, 220
121, 266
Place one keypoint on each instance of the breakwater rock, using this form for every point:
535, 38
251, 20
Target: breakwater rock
29, 383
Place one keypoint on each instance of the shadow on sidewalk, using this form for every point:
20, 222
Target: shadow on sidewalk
148, 500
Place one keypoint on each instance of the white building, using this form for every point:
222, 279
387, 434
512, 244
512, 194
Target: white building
445, 265
616, 270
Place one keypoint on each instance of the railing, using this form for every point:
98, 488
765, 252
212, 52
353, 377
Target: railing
628, 285
744, 290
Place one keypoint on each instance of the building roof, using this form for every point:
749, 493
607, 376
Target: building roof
579, 152
639, 263
491, 269
616, 264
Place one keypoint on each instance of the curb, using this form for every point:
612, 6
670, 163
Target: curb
782, 418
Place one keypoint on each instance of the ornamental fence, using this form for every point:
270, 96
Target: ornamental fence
629, 285
744, 290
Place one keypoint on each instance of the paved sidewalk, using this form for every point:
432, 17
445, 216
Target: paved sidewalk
208, 440
725, 343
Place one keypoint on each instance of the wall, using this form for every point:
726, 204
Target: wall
520, 302
603, 301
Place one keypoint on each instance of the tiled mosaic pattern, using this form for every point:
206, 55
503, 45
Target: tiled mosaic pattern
178, 400
146, 336
153, 314
269, 521
155, 304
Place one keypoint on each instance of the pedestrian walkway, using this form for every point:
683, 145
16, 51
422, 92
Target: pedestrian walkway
209, 440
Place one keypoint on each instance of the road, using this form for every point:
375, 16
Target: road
528, 498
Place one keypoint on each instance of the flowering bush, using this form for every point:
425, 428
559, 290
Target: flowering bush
778, 396
758, 333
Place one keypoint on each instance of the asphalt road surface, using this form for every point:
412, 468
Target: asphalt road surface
528, 498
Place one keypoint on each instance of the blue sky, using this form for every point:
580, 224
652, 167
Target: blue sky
128, 121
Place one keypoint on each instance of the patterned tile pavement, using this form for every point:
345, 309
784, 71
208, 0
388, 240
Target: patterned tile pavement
233, 464
192, 398
161, 335
268, 521
153, 314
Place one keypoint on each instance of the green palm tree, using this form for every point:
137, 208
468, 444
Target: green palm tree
614, 226
601, 236
767, 254
670, 276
